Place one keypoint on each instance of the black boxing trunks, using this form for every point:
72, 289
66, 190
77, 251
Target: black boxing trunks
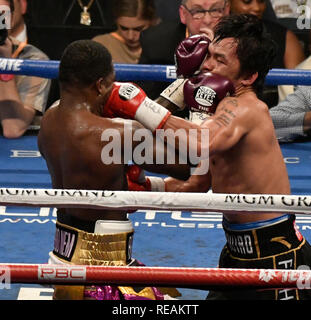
269, 244
106, 243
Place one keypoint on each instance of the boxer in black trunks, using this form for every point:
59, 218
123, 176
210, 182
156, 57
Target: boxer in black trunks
244, 156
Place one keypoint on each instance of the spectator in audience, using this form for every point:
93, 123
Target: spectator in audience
18, 26
131, 17
21, 97
159, 42
290, 51
285, 90
292, 116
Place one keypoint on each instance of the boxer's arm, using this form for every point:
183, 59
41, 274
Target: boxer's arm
224, 129
154, 155
167, 161
229, 124
178, 171
196, 183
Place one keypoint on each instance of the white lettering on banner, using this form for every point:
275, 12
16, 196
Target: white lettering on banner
171, 72
25, 154
148, 218
10, 64
41, 212
291, 160
61, 272
197, 216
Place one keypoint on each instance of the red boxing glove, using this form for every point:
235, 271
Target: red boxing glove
137, 181
129, 101
190, 54
204, 92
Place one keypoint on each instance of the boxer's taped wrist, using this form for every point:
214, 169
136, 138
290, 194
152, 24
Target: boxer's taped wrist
175, 93
198, 117
157, 184
151, 114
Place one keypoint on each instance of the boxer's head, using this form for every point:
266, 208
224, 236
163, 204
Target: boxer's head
241, 51
86, 64
199, 15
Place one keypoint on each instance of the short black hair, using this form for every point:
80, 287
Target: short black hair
256, 50
83, 62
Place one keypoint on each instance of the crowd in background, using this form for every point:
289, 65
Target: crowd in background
145, 32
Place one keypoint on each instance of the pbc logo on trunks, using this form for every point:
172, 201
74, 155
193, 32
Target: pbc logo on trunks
128, 91
205, 96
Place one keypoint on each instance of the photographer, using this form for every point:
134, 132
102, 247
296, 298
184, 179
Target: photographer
22, 98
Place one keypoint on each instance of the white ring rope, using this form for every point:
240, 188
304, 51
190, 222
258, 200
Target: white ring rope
129, 200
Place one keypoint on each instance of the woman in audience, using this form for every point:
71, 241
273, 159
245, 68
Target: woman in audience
131, 17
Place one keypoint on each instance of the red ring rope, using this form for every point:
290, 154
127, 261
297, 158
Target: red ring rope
160, 276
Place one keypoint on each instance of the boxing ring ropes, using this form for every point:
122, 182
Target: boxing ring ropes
181, 277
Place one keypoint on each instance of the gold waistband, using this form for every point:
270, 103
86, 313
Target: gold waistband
95, 249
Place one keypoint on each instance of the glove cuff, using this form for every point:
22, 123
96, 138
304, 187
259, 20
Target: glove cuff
175, 93
151, 114
157, 184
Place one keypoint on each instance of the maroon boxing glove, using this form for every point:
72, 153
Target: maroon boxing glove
190, 54
203, 93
